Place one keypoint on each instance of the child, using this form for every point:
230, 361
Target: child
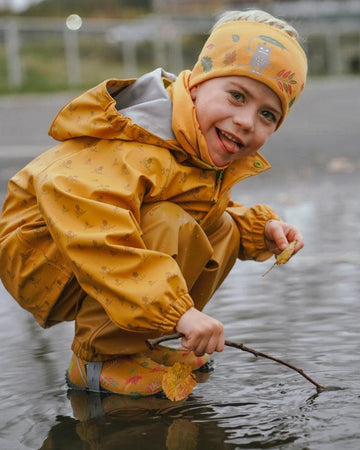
127, 226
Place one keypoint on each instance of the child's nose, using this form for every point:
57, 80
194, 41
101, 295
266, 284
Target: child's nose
245, 118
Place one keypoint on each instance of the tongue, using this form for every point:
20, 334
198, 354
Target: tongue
230, 146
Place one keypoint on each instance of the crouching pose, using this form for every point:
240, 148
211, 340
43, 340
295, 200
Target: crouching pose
127, 226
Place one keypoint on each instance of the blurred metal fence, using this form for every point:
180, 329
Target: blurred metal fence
332, 44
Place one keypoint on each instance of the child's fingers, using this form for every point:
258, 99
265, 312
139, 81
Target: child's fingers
202, 333
275, 235
205, 342
214, 344
299, 242
201, 347
280, 234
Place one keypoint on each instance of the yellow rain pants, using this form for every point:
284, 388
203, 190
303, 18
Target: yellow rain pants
204, 260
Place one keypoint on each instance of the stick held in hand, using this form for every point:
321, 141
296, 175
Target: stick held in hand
151, 343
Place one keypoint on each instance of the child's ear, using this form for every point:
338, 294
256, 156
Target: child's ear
193, 92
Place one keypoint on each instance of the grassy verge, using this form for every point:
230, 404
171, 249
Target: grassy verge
44, 65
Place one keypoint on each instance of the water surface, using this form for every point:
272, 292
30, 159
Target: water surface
306, 312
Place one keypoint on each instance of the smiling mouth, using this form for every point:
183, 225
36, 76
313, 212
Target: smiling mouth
230, 142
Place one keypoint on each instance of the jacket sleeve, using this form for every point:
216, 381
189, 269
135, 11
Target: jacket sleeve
92, 210
251, 223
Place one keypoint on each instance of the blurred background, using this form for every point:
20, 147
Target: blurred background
51, 50
50, 44
307, 311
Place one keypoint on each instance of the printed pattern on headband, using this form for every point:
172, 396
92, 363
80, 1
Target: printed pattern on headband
258, 58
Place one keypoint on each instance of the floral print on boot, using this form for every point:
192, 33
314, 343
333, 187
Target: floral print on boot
135, 375
168, 356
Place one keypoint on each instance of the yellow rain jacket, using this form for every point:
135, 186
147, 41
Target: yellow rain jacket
74, 212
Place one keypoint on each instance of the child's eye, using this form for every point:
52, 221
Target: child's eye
269, 116
238, 96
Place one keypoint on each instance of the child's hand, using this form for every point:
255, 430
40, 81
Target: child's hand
278, 235
203, 334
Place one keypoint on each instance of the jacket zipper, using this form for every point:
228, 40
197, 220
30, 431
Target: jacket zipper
219, 176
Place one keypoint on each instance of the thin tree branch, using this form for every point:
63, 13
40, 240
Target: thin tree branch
151, 343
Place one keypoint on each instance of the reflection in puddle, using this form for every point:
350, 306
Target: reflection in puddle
306, 313
110, 422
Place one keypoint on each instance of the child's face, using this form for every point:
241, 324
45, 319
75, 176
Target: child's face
236, 115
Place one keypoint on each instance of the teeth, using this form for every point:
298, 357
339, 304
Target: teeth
228, 136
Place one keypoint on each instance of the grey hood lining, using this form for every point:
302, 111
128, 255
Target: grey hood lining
147, 103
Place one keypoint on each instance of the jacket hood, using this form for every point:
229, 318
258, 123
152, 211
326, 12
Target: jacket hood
120, 109
139, 110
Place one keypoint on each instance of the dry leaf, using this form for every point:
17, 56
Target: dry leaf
178, 382
283, 257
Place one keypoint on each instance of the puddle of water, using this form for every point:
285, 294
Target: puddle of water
306, 313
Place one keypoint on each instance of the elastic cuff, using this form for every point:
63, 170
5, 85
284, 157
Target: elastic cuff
255, 240
261, 252
174, 312
87, 354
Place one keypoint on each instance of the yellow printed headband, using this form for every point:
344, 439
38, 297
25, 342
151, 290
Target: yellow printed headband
258, 51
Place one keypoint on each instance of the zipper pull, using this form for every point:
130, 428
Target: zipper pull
218, 180
219, 176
